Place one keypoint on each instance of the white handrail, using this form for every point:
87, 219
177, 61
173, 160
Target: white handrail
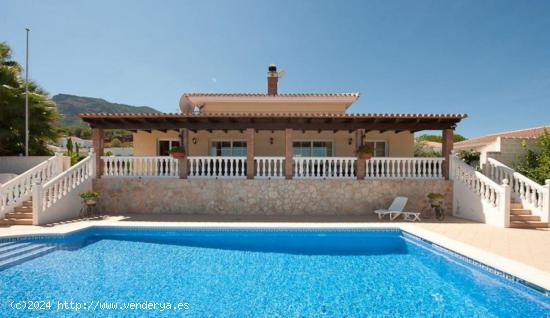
482, 185
531, 194
217, 167
404, 168
270, 167
324, 167
64, 183
19, 188
144, 167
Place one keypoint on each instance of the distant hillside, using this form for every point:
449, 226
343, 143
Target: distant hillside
69, 106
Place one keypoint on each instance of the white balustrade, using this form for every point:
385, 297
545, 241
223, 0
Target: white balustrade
324, 167
270, 167
217, 167
477, 197
486, 188
144, 167
63, 184
531, 194
404, 168
19, 188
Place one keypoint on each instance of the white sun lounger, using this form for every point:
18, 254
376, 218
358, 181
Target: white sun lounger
396, 209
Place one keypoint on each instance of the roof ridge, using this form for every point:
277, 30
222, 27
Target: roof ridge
267, 95
276, 114
499, 134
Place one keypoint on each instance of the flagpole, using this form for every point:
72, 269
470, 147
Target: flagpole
27, 97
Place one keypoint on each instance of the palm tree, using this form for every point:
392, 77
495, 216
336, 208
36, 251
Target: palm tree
42, 111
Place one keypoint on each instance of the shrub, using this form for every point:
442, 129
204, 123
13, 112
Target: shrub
535, 164
471, 157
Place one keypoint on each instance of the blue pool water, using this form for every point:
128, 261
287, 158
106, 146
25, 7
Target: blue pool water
210, 273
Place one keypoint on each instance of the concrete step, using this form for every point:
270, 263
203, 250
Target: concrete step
26, 256
516, 205
28, 203
520, 212
528, 224
14, 221
20, 249
19, 215
12, 247
7, 244
23, 209
524, 218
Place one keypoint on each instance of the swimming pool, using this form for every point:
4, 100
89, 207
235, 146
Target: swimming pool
242, 273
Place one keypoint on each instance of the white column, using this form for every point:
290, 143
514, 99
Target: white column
546, 201
37, 198
504, 204
93, 164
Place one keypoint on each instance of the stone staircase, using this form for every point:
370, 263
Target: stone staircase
523, 218
13, 253
21, 215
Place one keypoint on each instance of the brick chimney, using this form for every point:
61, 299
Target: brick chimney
272, 78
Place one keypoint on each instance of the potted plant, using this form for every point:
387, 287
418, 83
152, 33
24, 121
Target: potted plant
436, 199
177, 152
90, 197
365, 151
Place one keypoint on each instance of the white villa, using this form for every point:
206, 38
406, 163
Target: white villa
274, 154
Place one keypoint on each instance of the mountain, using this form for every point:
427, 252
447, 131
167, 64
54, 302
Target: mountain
69, 106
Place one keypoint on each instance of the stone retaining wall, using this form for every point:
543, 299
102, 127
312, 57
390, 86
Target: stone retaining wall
262, 197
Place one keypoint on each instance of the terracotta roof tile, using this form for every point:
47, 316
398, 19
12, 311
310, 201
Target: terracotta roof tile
483, 140
267, 114
278, 95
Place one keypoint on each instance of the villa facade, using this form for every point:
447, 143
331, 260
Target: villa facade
272, 135
272, 153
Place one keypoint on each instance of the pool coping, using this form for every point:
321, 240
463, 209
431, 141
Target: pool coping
527, 275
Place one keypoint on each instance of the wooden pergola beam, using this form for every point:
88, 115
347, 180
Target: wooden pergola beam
273, 125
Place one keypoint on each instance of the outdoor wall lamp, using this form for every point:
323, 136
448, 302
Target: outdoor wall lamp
350, 140
194, 140
271, 140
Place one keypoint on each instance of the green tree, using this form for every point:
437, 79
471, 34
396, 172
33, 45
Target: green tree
471, 157
77, 148
422, 150
115, 143
437, 138
535, 164
69, 146
42, 111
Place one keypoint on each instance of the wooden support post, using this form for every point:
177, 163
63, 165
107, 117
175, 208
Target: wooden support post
360, 169
250, 132
182, 162
446, 149
184, 139
97, 141
288, 153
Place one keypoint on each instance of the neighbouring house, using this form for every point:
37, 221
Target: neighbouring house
433, 145
506, 147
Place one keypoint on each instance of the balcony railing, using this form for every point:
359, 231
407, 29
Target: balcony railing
404, 168
217, 167
270, 167
206, 167
324, 167
144, 167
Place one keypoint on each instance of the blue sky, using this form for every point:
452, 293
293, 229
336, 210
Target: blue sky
490, 59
